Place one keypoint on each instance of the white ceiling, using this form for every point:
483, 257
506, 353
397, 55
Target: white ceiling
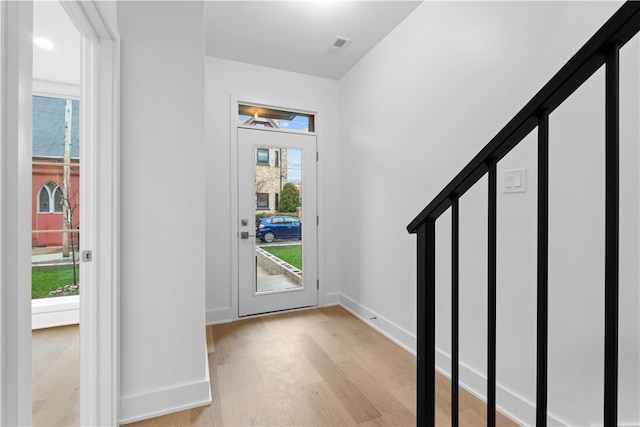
62, 63
288, 35
296, 35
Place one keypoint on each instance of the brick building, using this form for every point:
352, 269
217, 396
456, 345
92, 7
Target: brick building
270, 176
48, 170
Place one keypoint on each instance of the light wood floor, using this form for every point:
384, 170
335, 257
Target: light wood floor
321, 367
55, 376
317, 367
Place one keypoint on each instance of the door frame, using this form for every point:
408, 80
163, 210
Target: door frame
234, 229
99, 335
99, 305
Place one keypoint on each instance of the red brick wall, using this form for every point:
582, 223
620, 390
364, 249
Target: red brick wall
52, 221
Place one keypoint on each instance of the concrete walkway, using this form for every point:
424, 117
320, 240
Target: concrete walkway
267, 282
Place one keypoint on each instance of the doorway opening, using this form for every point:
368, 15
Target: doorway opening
55, 213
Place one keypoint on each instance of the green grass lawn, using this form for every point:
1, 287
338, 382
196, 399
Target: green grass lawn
43, 282
290, 254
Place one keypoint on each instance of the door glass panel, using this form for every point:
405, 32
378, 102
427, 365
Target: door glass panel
278, 212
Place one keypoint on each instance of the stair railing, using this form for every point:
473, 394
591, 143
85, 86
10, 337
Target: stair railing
602, 48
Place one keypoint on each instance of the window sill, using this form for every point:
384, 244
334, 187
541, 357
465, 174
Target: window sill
58, 311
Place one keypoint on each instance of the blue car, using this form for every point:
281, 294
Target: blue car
271, 228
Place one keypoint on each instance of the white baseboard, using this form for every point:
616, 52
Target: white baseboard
163, 402
395, 333
52, 312
226, 315
512, 405
220, 315
327, 300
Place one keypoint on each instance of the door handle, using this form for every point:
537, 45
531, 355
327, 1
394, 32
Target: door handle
245, 235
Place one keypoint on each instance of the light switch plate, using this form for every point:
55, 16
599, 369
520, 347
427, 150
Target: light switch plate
514, 181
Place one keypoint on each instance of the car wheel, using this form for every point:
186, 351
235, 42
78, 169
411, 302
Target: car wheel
269, 237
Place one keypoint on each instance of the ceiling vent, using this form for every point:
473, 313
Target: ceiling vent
338, 45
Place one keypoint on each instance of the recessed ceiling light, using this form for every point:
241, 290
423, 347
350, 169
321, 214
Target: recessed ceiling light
43, 43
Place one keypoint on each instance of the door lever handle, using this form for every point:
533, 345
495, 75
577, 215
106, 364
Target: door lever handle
245, 235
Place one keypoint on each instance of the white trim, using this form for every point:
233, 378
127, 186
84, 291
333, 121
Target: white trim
162, 402
395, 333
510, 403
51, 312
16, 22
326, 300
221, 315
233, 206
51, 89
100, 147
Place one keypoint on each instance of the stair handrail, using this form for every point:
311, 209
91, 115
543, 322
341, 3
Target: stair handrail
602, 48
618, 30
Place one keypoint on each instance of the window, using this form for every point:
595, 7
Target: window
262, 200
276, 158
262, 156
50, 198
251, 115
277, 201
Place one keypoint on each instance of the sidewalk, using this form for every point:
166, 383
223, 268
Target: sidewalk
50, 255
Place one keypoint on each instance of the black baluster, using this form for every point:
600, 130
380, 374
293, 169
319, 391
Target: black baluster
455, 303
491, 285
543, 270
426, 330
612, 210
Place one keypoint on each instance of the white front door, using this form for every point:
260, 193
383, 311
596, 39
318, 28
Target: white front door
277, 238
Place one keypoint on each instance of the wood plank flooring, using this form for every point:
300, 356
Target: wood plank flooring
55, 377
320, 367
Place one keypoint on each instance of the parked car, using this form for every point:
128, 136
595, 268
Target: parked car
271, 228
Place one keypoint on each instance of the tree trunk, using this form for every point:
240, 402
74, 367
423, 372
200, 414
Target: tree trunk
66, 180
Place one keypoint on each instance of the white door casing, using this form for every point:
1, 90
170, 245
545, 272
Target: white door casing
100, 193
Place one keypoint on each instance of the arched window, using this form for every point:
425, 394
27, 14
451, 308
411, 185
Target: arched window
50, 198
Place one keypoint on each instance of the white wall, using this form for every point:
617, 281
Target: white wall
413, 113
163, 355
227, 80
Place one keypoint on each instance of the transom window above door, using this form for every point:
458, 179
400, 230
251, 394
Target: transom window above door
251, 115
